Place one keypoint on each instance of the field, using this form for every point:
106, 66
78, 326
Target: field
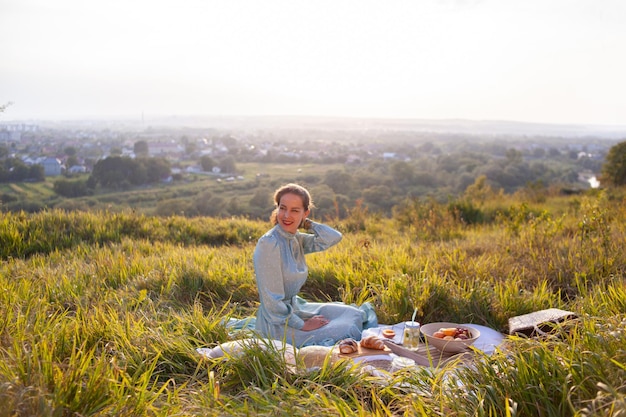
101, 312
174, 197
40, 190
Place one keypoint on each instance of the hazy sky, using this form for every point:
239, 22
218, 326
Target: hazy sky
555, 61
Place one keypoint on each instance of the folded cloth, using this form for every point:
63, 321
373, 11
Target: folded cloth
488, 340
239, 347
378, 332
371, 320
247, 323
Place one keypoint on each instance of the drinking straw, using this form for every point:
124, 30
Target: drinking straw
414, 314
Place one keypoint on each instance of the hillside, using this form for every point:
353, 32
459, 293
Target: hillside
102, 312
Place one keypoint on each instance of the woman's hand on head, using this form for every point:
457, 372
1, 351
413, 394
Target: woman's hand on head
306, 223
314, 322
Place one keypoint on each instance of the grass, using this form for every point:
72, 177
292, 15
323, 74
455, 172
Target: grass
101, 313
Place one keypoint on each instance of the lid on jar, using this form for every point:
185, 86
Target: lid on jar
402, 362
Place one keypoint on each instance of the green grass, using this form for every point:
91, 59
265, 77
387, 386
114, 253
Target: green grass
26, 190
195, 188
101, 313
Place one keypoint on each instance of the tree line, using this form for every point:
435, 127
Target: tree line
116, 173
378, 185
15, 170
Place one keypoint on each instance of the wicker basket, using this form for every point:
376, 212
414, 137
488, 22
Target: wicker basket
538, 323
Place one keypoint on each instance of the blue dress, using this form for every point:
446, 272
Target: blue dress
281, 271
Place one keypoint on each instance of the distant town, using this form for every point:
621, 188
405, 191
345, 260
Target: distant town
75, 147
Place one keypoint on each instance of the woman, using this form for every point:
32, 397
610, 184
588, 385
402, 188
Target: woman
281, 271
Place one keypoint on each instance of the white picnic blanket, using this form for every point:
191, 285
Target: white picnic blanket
487, 342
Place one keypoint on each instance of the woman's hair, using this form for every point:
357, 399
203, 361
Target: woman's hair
291, 188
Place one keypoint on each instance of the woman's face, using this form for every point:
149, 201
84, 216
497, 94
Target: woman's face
291, 212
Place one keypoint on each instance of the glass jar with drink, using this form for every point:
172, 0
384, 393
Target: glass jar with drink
411, 335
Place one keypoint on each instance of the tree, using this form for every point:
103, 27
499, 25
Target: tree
207, 163
261, 199
70, 151
190, 148
141, 148
72, 161
36, 173
340, 181
402, 173
514, 156
207, 204
116, 151
613, 171
539, 152
424, 178
20, 171
227, 165
553, 152
68, 188
379, 197
157, 169
3, 107
114, 171
480, 191
120, 172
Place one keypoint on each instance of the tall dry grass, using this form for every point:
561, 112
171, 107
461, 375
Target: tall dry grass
100, 314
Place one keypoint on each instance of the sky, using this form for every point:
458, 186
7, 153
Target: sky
545, 61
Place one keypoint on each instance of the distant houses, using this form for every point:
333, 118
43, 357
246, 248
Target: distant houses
77, 169
13, 132
52, 167
166, 149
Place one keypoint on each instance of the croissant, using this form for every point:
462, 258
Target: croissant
348, 346
372, 342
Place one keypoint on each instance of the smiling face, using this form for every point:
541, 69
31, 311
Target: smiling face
291, 212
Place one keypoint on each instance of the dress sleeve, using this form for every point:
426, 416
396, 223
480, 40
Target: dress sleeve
322, 238
269, 277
